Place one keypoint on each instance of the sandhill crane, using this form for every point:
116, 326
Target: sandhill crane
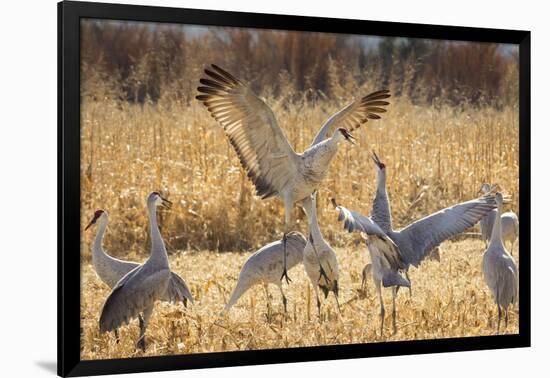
110, 270
387, 265
263, 149
509, 223
320, 261
499, 270
136, 292
265, 265
419, 238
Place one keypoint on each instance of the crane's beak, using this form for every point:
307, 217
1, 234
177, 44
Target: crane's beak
349, 137
166, 203
92, 222
377, 161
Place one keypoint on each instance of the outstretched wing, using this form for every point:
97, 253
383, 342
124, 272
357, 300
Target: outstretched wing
132, 295
250, 125
376, 238
355, 114
427, 233
178, 291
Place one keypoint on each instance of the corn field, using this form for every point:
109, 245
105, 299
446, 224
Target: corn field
437, 153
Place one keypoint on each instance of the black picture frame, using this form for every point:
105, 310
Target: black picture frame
69, 15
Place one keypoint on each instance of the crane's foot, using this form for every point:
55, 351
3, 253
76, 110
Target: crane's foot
141, 343
286, 277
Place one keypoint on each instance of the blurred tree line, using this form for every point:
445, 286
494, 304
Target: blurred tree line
139, 62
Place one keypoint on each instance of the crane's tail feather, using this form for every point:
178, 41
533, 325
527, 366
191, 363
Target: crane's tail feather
391, 278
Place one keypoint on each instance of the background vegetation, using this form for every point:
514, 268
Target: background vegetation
452, 124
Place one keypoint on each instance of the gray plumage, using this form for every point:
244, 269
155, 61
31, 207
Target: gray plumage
265, 265
139, 289
500, 271
509, 223
419, 238
271, 163
110, 270
387, 265
381, 210
320, 261
415, 241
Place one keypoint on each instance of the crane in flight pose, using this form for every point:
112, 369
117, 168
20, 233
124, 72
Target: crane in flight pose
264, 151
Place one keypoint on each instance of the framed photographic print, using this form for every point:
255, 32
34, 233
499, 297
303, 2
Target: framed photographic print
239, 188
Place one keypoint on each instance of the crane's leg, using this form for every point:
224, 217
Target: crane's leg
338, 304
318, 301
382, 310
284, 298
322, 273
499, 316
116, 336
288, 211
394, 311
143, 322
364, 276
506, 318
268, 302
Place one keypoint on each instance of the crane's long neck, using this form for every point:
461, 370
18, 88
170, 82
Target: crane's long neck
381, 210
97, 250
158, 249
496, 236
328, 149
311, 213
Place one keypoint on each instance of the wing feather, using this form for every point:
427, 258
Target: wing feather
178, 291
427, 233
376, 237
132, 295
355, 114
263, 150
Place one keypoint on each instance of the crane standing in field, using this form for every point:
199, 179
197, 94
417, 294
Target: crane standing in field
110, 270
419, 238
263, 149
320, 261
509, 223
265, 265
386, 265
137, 291
434, 255
499, 270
